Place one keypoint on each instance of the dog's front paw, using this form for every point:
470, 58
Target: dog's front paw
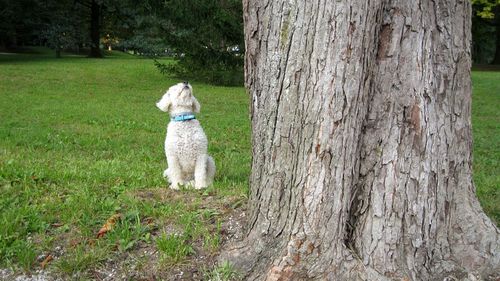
190, 184
174, 186
200, 186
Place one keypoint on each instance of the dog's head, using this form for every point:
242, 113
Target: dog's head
179, 98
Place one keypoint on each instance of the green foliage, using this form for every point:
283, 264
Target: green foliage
484, 8
484, 25
60, 31
59, 37
20, 21
483, 41
183, 70
207, 37
142, 45
137, 27
57, 24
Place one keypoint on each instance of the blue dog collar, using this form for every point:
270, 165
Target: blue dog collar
183, 117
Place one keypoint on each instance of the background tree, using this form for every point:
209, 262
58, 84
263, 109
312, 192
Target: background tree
207, 36
19, 24
62, 26
56, 24
139, 28
362, 143
486, 31
134, 26
59, 36
95, 10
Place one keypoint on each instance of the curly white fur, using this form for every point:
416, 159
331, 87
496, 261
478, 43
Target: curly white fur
186, 143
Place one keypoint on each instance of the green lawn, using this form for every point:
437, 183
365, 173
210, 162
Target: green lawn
486, 133
81, 140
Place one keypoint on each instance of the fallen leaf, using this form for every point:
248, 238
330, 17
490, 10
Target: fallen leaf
149, 220
108, 226
57, 224
45, 261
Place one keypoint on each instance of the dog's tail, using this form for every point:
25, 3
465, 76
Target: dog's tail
210, 169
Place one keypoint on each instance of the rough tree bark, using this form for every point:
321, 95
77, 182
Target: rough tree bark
362, 143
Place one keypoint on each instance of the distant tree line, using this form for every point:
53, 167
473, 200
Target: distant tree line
206, 36
58, 24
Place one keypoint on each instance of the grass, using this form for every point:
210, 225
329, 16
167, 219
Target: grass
174, 247
222, 272
486, 133
81, 141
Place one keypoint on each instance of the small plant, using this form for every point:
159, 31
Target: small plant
81, 258
211, 241
174, 248
223, 272
129, 231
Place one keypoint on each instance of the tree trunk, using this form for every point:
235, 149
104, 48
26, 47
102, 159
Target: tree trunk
496, 59
361, 143
95, 15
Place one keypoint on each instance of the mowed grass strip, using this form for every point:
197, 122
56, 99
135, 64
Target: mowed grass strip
486, 134
81, 140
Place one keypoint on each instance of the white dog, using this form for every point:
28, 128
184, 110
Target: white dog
186, 143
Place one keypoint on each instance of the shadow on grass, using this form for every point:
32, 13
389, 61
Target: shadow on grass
486, 67
31, 54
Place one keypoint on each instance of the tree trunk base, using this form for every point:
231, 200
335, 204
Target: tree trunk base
468, 255
248, 259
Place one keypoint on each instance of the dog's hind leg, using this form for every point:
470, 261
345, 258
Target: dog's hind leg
210, 170
200, 172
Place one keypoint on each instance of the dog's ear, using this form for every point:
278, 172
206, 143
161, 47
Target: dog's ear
196, 105
165, 103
